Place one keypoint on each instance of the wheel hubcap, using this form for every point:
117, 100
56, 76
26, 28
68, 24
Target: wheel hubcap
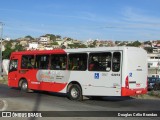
24, 86
74, 93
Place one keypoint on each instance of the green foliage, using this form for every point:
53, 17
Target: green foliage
147, 42
149, 49
69, 39
154, 93
52, 37
117, 42
58, 36
8, 44
30, 37
55, 43
18, 47
94, 43
77, 45
6, 54
8, 49
135, 44
91, 46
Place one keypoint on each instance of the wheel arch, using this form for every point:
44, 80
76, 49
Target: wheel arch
20, 81
74, 82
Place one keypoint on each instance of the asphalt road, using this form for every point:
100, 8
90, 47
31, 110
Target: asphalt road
44, 101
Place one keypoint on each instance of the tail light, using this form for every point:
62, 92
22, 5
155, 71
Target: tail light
127, 82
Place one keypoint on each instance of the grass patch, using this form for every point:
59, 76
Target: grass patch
154, 93
149, 95
4, 80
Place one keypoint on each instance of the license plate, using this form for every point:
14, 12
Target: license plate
139, 91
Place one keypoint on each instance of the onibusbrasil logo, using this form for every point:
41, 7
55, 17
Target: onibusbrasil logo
3, 105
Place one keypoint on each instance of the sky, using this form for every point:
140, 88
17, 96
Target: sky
122, 20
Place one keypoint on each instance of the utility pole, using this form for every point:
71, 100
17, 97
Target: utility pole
1, 31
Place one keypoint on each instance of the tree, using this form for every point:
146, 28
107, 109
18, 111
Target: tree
149, 49
117, 42
30, 37
95, 42
18, 47
135, 44
52, 37
148, 42
8, 49
6, 54
58, 36
55, 43
69, 39
8, 44
77, 45
91, 46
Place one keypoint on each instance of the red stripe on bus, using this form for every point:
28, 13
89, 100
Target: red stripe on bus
52, 87
133, 92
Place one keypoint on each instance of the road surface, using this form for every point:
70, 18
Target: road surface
17, 100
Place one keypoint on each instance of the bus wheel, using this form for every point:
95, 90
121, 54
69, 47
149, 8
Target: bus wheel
24, 86
75, 92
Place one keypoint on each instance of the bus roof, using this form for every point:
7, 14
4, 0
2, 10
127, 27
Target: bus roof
63, 51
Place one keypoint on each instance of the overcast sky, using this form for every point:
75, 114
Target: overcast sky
82, 19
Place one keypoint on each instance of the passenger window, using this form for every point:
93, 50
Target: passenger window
42, 61
58, 62
77, 61
100, 61
13, 65
27, 62
116, 61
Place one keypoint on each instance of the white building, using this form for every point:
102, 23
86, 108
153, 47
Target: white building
154, 63
44, 40
48, 48
156, 50
60, 42
33, 46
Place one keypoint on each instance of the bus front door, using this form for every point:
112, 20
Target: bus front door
13, 72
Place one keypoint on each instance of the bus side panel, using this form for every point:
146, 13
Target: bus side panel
105, 85
101, 91
48, 80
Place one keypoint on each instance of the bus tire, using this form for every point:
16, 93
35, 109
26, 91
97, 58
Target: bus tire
24, 86
75, 92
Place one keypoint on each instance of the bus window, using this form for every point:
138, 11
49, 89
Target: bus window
116, 61
13, 65
58, 62
77, 61
42, 61
100, 61
27, 62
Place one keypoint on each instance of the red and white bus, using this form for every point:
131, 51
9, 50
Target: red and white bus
108, 71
